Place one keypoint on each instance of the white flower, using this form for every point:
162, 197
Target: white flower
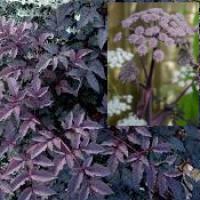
72, 30
39, 3
131, 120
116, 58
183, 77
119, 104
77, 17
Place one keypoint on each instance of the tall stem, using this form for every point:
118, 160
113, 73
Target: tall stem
150, 77
149, 89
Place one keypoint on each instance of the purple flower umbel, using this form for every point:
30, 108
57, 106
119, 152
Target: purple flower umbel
157, 26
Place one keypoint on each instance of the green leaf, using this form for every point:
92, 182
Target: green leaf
189, 106
196, 38
196, 46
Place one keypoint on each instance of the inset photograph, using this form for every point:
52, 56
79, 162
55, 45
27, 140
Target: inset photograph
152, 64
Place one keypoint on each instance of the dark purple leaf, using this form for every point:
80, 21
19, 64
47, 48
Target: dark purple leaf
26, 194
137, 173
3, 150
43, 191
97, 170
97, 68
150, 176
102, 37
42, 176
172, 174
93, 148
162, 185
143, 131
19, 181
75, 183
43, 63
176, 188
92, 81
100, 187
5, 187
162, 148
43, 161
84, 192
13, 166
13, 86
5, 113
37, 149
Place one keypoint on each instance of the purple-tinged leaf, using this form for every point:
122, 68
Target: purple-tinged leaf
93, 148
13, 86
19, 181
150, 176
84, 192
173, 174
5, 187
64, 61
162, 185
9, 71
100, 187
143, 131
171, 159
43, 161
108, 143
59, 164
162, 148
92, 81
155, 142
57, 143
39, 139
83, 52
102, 37
88, 161
13, 166
97, 170
69, 160
91, 125
2, 195
43, 191
42, 176
25, 126
137, 173
120, 155
5, 113
37, 149
123, 148
75, 183
113, 163
26, 194
97, 68
176, 188
43, 63
133, 157
133, 138
44, 36
3, 149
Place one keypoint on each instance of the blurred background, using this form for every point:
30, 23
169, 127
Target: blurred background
170, 78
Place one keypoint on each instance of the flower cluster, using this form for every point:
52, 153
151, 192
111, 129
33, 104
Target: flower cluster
116, 58
155, 26
119, 104
131, 120
51, 3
